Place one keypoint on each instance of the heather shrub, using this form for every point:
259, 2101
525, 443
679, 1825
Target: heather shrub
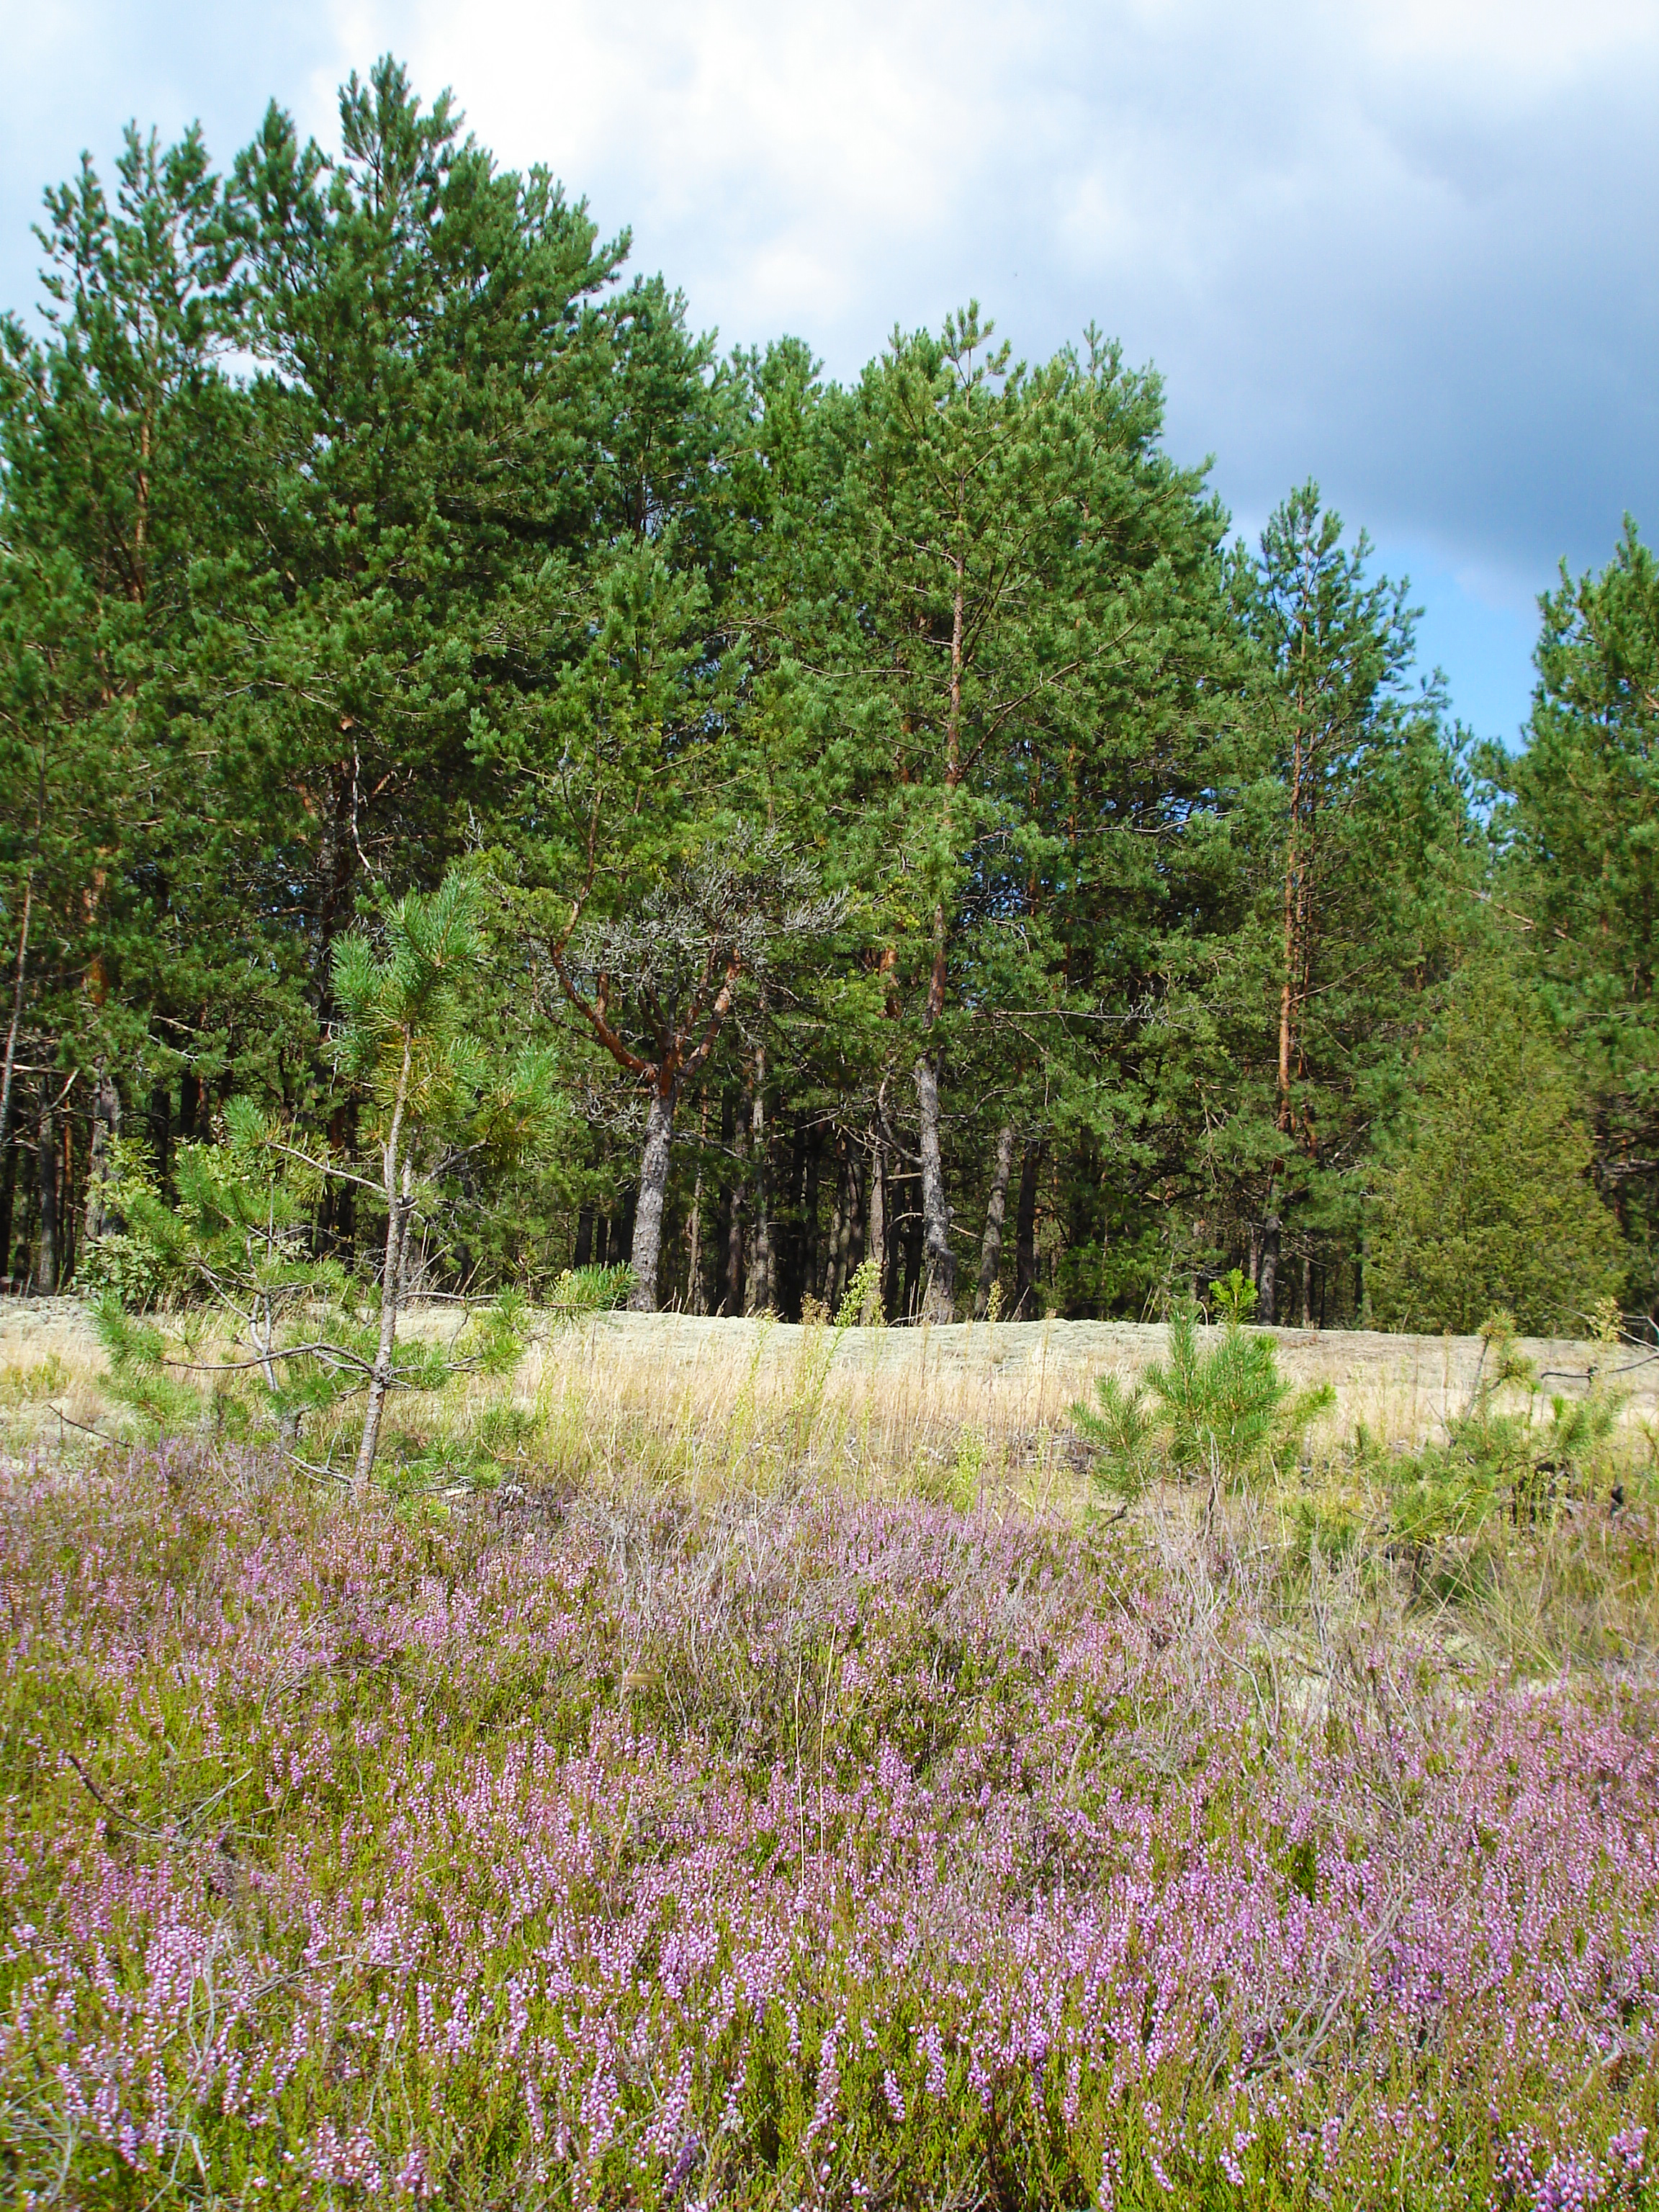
590, 1846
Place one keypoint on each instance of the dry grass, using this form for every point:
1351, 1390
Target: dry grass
975, 1417
51, 1374
702, 1398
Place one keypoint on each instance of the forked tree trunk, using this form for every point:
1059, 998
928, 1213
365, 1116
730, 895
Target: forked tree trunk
940, 1303
654, 1192
990, 1251
1025, 1253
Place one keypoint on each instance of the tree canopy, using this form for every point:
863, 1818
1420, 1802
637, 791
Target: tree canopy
896, 821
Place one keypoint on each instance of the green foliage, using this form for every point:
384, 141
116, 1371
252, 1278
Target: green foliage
127, 1259
1215, 1409
240, 1240
1124, 1428
583, 1291
1524, 1458
1486, 1202
1235, 1299
1577, 827
357, 521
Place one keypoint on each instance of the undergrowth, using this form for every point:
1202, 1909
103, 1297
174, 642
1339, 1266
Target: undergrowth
605, 1844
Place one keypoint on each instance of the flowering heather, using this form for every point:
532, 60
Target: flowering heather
594, 1849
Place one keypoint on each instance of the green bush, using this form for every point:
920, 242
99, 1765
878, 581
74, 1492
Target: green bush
1216, 1409
1502, 1457
1487, 1202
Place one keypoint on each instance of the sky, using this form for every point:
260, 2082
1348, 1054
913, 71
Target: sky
1409, 248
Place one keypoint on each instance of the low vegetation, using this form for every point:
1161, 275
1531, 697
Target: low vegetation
738, 1800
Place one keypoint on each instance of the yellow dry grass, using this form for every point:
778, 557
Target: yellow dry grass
950, 1410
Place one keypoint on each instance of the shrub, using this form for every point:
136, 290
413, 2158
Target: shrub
1216, 1409
1513, 1458
593, 1850
1487, 1201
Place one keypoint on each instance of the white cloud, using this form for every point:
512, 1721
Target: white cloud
1408, 246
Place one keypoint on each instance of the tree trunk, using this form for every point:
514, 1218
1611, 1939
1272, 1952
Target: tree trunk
693, 1297
842, 1221
940, 1303
161, 1137
66, 1201
404, 1246
1025, 1253
876, 1240
812, 1272
336, 1231
853, 1236
990, 1251
909, 1298
1307, 1290
336, 857
584, 1253
11, 1033
105, 1127
898, 1234
1290, 950
1267, 1302
8, 1199
737, 1239
653, 1191
760, 1287
45, 1156
397, 1181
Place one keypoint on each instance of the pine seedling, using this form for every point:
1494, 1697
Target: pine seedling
1221, 1412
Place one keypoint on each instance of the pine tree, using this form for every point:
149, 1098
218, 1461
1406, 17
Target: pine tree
1017, 571
1577, 828
1352, 838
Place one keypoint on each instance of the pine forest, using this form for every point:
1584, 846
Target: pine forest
899, 821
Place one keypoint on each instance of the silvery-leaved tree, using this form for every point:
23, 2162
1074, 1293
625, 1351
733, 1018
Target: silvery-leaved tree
656, 987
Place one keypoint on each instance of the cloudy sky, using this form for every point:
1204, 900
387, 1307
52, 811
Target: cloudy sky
1410, 247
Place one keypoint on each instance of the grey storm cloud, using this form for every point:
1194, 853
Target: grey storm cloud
1410, 249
